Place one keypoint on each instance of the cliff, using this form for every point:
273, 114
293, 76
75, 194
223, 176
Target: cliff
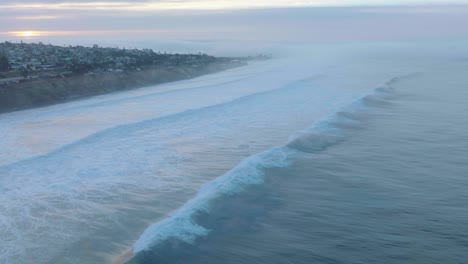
42, 92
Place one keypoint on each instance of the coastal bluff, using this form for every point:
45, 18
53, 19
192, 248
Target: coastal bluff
59, 89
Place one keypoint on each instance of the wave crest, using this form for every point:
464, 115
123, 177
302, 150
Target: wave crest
318, 137
180, 225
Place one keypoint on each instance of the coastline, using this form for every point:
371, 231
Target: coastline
44, 92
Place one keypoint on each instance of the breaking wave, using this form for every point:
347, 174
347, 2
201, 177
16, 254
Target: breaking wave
182, 225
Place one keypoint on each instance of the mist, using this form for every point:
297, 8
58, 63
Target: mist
171, 142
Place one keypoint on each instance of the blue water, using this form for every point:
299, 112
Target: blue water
384, 181
346, 154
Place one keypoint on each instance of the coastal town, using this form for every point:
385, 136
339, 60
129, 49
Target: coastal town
38, 74
20, 62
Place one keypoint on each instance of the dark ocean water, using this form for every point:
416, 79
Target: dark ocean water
389, 187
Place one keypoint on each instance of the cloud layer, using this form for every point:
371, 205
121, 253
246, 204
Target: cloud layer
262, 20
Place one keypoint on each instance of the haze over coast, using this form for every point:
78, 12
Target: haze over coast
33, 75
347, 145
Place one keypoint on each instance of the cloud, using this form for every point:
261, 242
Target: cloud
242, 21
151, 6
277, 24
461, 9
37, 17
164, 5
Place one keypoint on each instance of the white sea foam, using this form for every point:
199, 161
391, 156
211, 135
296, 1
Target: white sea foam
103, 169
180, 224
324, 133
36, 132
94, 180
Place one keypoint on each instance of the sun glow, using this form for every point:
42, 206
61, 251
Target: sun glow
33, 34
28, 34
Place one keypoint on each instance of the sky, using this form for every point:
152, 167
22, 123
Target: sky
236, 20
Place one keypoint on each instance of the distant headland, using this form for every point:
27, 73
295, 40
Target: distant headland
37, 74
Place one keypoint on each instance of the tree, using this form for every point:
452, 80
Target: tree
4, 63
81, 68
24, 72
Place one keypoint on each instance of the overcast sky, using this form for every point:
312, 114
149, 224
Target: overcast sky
242, 20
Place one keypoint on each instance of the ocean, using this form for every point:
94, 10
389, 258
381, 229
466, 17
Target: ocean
336, 153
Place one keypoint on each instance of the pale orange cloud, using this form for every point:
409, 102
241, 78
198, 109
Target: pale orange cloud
37, 17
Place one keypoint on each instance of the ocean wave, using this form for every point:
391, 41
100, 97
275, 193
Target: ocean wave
89, 181
181, 225
126, 129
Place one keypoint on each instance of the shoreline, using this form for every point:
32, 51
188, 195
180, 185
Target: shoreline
37, 93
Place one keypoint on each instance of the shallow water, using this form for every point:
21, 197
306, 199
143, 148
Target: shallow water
369, 166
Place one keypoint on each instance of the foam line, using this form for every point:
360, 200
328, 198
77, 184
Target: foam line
118, 130
322, 134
